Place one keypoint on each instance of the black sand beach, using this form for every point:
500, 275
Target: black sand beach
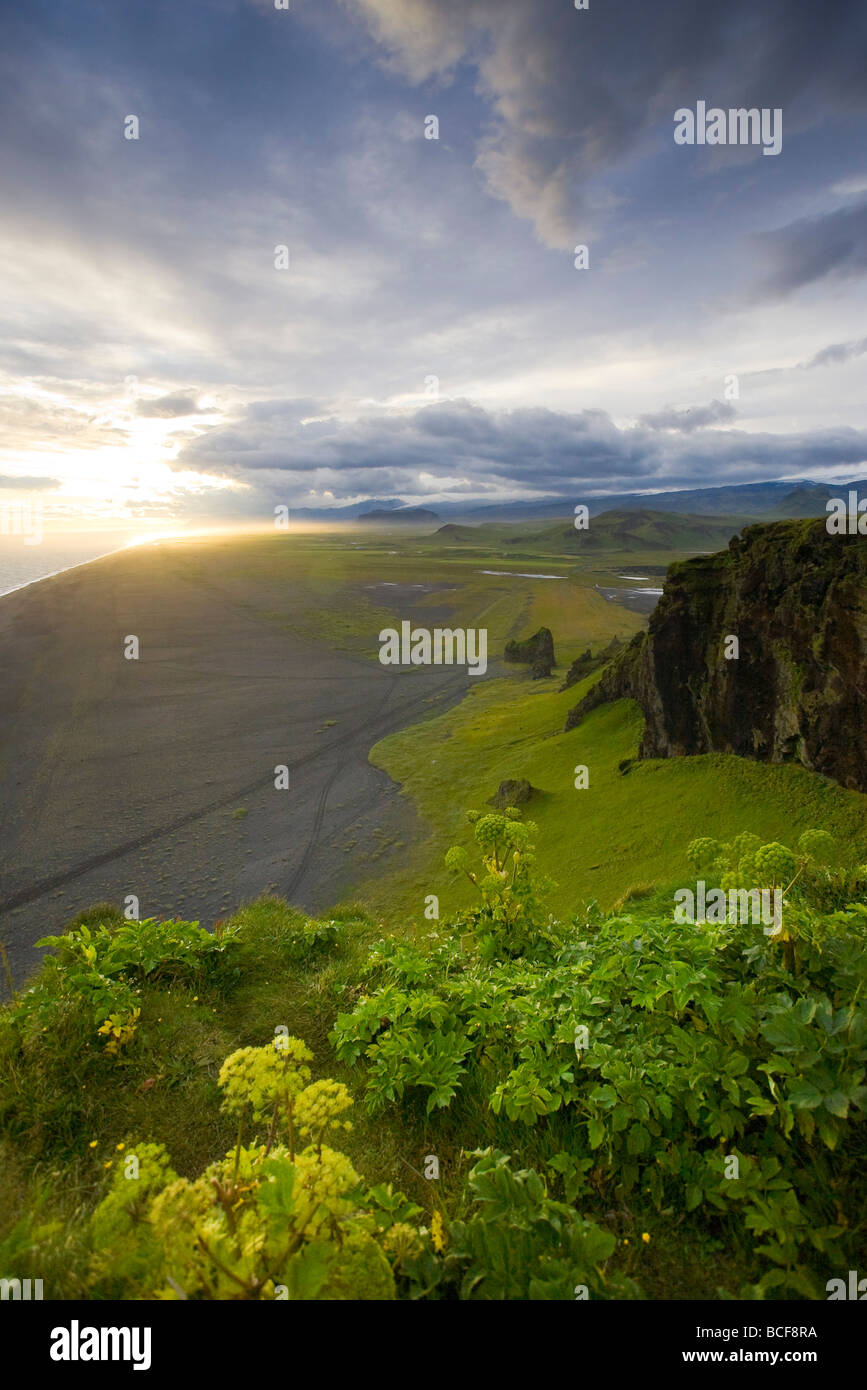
155, 777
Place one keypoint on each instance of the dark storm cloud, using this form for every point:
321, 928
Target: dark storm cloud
693, 418
815, 248
438, 447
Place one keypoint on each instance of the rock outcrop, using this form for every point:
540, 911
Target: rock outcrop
537, 651
586, 663
513, 792
795, 598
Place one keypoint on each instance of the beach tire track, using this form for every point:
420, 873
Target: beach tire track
314, 833
322, 802
97, 861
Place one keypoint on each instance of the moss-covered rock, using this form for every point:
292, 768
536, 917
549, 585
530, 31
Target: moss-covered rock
537, 651
795, 598
586, 663
513, 792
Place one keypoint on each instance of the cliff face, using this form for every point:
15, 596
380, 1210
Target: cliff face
796, 600
537, 651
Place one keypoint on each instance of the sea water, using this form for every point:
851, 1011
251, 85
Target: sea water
22, 563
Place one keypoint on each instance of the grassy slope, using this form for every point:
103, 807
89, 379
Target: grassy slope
637, 530
623, 830
595, 843
166, 1090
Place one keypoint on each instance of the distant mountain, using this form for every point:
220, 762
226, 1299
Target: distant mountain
621, 529
769, 500
644, 529
808, 499
609, 532
453, 532
348, 513
404, 516
766, 501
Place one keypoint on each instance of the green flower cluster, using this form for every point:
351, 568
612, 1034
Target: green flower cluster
263, 1222
265, 1078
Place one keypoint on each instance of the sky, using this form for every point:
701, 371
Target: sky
432, 337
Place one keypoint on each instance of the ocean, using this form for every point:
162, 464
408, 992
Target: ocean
22, 563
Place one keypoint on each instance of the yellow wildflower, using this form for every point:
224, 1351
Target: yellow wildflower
437, 1233
402, 1241
263, 1078
325, 1179
318, 1106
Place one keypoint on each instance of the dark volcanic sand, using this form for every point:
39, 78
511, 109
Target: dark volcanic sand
120, 777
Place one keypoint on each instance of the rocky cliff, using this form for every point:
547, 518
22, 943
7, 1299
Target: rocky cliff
537, 651
795, 598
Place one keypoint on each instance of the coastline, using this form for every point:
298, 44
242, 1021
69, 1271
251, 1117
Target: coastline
155, 778
64, 569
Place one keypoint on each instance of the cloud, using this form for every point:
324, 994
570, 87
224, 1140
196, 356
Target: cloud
850, 188
572, 92
814, 249
25, 484
837, 353
412, 258
693, 418
458, 448
171, 407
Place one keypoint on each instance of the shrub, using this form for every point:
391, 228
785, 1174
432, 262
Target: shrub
647, 1052
519, 1243
272, 935
266, 1221
98, 972
511, 919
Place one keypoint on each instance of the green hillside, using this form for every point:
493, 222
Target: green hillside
618, 532
624, 530
624, 829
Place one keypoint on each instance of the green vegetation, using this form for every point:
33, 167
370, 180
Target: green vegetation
636, 532
621, 1106
546, 1087
632, 532
341, 591
677, 1069
629, 824
271, 1220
